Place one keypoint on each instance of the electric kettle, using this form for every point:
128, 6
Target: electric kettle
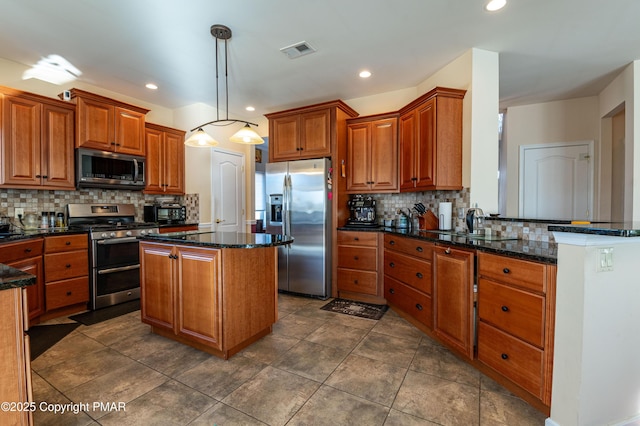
475, 221
31, 221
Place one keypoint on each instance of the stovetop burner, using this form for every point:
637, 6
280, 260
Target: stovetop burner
107, 221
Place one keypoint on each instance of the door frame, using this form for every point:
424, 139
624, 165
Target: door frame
243, 206
523, 148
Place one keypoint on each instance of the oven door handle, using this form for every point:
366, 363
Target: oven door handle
117, 241
120, 269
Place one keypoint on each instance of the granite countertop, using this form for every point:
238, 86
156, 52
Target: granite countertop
609, 229
14, 278
221, 239
33, 233
546, 252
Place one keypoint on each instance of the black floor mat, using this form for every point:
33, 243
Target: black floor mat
42, 337
356, 309
99, 315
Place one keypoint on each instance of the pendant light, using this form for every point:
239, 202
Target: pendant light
246, 135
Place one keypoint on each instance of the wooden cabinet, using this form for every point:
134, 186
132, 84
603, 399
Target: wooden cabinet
430, 141
372, 154
37, 141
408, 276
66, 271
177, 228
165, 160
453, 297
516, 306
304, 133
358, 277
108, 125
27, 256
15, 365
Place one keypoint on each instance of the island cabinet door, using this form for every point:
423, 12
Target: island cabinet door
157, 278
199, 298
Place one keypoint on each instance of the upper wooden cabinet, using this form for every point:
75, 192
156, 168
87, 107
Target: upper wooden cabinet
430, 138
108, 125
372, 154
37, 141
165, 160
309, 132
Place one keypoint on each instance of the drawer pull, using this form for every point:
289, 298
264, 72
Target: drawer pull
68, 293
356, 257
355, 281
28, 250
505, 309
392, 291
392, 242
504, 356
68, 243
506, 270
356, 239
68, 265
447, 251
391, 264
419, 306
419, 274
419, 249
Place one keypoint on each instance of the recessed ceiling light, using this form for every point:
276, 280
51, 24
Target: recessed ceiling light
53, 69
250, 108
494, 5
151, 86
365, 74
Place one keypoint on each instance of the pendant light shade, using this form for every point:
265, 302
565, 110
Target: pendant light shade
246, 135
201, 139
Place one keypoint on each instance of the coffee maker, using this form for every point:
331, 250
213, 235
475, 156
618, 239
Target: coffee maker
362, 211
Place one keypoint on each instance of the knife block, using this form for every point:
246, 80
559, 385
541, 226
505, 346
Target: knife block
427, 221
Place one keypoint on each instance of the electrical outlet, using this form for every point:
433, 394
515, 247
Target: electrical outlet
19, 212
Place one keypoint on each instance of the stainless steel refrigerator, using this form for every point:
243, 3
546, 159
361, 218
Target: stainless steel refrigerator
299, 204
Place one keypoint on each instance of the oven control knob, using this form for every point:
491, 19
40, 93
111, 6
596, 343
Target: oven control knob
129, 233
112, 235
103, 235
143, 232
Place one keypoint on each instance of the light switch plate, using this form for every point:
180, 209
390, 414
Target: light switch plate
605, 259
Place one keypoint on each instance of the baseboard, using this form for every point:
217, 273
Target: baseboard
549, 422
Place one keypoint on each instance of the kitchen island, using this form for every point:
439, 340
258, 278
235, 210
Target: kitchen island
216, 292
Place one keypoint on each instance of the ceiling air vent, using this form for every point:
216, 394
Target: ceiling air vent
297, 50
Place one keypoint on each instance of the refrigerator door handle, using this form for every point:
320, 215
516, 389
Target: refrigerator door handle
288, 200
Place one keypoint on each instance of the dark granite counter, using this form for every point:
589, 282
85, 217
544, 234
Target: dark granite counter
539, 251
14, 278
221, 239
609, 229
26, 234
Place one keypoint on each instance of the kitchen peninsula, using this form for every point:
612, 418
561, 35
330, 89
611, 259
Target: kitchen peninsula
216, 292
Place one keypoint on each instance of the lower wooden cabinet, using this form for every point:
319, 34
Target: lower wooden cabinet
358, 276
66, 272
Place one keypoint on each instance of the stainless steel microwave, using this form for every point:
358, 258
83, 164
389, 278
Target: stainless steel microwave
102, 169
165, 214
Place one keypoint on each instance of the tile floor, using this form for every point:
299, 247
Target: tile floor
316, 368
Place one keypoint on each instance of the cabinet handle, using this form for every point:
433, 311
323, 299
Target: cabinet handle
112, 143
68, 243
419, 274
68, 265
447, 251
504, 356
28, 250
505, 309
356, 257
68, 293
391, 264
392, 243
38, 176
506, 270
355, 281
356, 239
45, 177
419, 249
392, 291
414, 178
419, 306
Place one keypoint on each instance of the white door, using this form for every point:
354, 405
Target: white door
556, 181
227, 187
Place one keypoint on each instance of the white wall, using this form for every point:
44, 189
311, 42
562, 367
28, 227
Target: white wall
550, 122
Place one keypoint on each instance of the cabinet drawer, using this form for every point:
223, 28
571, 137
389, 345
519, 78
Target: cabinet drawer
414, 303
512, 310
409, 270
357, 258
355, 238
60, 266
358, 281
522, 273
518, 361
67, 292
410, 246
66, 243
10, 252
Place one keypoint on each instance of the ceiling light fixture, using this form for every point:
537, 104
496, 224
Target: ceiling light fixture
365, 74
246, 135
151, 86
53, 69
495, 5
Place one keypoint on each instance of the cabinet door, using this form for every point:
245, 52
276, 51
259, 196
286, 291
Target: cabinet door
199, 295
129, 132
154, 163
359, 157
35, 292
156, 286
95, 125
174, 162
315, 128
407, 137
57, 146
453, 297
384, 155
284, 143
21, 141
425, 145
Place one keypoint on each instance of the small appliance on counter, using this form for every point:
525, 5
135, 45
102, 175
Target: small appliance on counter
475, 220
362, 212
165, 213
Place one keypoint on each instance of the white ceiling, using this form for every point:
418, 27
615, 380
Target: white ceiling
549, 49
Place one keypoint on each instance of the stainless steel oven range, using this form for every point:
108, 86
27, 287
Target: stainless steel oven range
114, 260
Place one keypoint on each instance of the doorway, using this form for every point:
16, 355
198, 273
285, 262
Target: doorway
227, 191
556, 181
